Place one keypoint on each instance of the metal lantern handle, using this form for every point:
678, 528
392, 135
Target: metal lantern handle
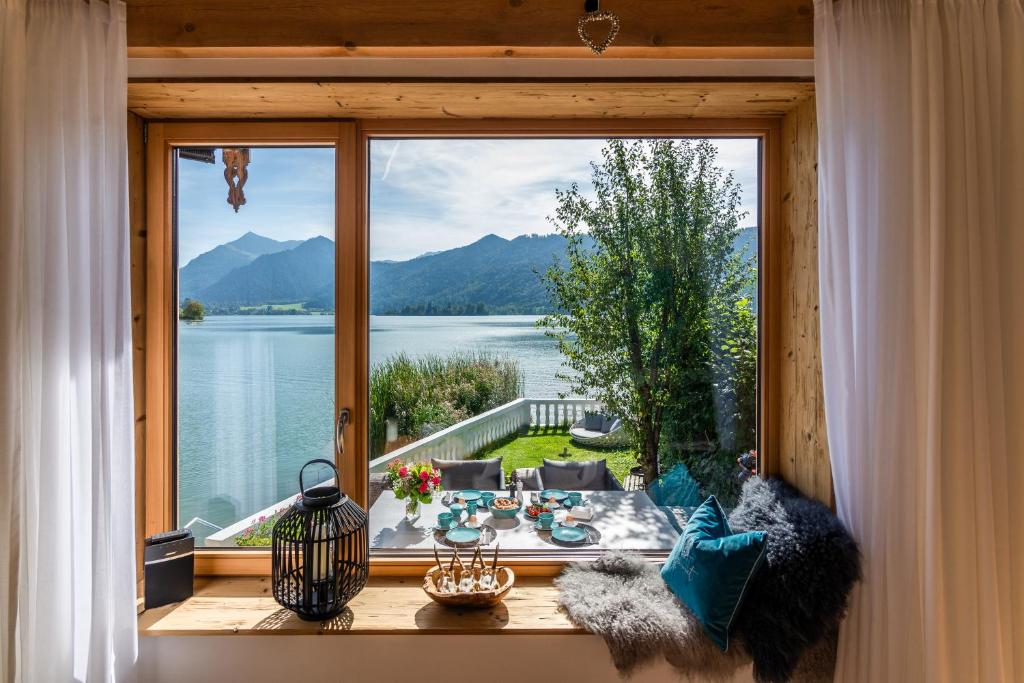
319, 461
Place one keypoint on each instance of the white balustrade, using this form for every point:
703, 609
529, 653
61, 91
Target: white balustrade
462, 440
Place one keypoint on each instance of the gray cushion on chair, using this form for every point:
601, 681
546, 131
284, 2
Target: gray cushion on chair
574, 476
485, 475
592, 421
609, 424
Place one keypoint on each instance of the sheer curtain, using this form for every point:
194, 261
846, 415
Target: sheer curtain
921, 224
67, 568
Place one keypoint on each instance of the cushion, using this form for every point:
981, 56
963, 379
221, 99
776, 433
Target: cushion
609, 424
530, 476
485, 475
710, 568
675, 488
574, 476
592, 421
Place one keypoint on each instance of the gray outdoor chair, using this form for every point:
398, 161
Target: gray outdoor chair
598, 430
485, 475
591, 475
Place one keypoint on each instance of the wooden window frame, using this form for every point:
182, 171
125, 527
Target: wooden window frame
351, 141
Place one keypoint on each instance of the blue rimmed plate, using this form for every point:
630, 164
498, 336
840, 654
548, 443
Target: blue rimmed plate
558, 494
569, 534
463, 535
538, 527
451, 525
468, 495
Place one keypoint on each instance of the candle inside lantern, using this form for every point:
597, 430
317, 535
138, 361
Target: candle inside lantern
323, 556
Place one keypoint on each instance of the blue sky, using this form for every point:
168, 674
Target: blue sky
425, 195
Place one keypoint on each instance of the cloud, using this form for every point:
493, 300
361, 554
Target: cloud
436, 194
425, 194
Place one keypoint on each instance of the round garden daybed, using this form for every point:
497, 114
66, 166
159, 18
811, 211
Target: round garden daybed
597, 430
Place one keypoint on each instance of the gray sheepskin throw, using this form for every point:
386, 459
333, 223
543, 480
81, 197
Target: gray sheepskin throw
800, 592
786, 625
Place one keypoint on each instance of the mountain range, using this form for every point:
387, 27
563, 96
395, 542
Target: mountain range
490, 276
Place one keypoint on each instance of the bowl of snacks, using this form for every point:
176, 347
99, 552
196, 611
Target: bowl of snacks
504, 508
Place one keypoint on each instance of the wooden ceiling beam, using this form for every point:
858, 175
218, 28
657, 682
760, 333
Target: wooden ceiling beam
764, 29
471, 100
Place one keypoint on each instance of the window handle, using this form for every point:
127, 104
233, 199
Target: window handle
344, 417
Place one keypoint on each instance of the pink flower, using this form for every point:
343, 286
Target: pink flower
424, 487
424, 475
403, 471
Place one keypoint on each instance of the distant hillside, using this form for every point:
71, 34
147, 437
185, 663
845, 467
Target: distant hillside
502, 276
207, 268
283, 277
493, 275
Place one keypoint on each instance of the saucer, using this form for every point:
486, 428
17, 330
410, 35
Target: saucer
538, 527
451, 525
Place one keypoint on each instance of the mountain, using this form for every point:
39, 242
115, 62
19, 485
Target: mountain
209, 267
282, 277
492, 275
501, 274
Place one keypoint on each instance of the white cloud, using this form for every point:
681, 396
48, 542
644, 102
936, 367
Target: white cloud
434, 194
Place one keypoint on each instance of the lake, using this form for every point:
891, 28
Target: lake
256, 396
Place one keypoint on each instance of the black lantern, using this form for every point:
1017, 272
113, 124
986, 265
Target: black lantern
320, 551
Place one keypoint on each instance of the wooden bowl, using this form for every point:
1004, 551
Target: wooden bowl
490, 598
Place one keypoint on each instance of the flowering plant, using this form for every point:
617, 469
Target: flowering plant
417, 481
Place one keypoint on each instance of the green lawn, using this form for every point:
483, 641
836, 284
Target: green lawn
529, 450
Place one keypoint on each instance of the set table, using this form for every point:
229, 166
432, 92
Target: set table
624, 520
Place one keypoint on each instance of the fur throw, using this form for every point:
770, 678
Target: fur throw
799, 593
622, 598
788, 619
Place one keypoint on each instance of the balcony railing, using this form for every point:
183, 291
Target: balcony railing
462, 440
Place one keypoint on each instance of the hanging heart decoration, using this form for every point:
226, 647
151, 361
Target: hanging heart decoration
588, 20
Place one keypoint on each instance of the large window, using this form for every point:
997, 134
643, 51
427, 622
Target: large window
543, 309
561, 304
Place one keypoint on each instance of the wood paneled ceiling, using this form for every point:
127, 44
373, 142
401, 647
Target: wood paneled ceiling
451, 100
465, 28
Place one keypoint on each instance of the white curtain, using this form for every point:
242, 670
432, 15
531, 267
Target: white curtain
921, 220
67, 559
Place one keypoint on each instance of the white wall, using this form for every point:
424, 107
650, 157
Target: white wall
386, 659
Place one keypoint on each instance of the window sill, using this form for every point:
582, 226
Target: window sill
388, 605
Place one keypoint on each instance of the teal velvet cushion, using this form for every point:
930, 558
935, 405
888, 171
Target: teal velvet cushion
675, 488
710, 568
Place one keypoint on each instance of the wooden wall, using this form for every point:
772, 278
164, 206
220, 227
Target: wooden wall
464, 28
137, 226
803, 443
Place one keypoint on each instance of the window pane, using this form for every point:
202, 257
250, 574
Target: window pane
582, 301
255, 362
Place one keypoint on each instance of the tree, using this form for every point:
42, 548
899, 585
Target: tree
192, 311
641, 301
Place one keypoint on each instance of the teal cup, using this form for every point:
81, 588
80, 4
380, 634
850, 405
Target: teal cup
575, 498
457, 509
487, 497
444, 520
546, 519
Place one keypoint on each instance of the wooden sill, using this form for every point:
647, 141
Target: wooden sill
388, 605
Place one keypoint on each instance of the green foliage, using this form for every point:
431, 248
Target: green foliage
259, 533
650, 316
192, 311
434, 392
530, 449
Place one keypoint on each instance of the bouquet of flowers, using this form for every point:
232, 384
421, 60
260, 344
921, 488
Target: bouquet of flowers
416, 481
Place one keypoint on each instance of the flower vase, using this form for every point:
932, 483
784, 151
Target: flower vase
412, 510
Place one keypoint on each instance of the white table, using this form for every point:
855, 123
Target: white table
625, 520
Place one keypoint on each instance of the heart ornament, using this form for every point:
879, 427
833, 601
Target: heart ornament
600, 17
